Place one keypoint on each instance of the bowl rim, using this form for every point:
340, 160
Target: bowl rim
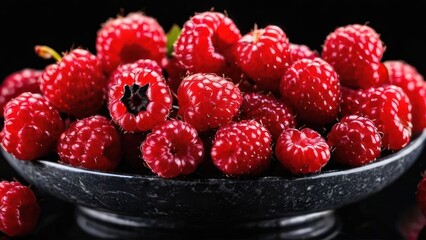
416, 142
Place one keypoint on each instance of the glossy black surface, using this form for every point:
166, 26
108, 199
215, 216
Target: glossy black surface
220, 200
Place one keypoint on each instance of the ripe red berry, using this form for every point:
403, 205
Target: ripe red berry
242, 148
269, 111
354, 141
126, 39
206, 42
412, 82
355, 52
300, 51
19, 210
32, 126
175, 73
388, 107
75, 84
312, 89
264, 56
302, 152
208, 101
173, 148
91, 143
135, 67
138, 102
24, 80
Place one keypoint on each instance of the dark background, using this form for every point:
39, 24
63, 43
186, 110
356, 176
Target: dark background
67, 24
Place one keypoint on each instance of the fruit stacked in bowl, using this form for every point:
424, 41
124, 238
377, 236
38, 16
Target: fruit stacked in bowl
207, 98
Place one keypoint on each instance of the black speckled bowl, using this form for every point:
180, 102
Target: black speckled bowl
148, 201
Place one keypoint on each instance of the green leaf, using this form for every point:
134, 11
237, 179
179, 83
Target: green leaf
172, 35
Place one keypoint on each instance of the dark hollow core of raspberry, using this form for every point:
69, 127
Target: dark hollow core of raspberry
132, 52
134, 98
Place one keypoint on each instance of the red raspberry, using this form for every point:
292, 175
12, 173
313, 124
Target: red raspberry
24, 80
173, 148
388, 107
312, 89
19, 210
32, 126
354, 141
207, 101
264, 56
302, 152
129, 38
300, 51
91, 143
412, 82
175, 73
206, 43
355, 52
138, 102
75, 84
268, 111
135, 67
242, 148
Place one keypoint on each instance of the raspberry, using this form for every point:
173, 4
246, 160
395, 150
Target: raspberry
19, 210
129, 38
32, 126
208, 101
412, 82
75, 84
300, 51
354, 141
355, 52
421, 195
302, 152
173, 148
24, 80
175, 73
388, 107
91, 143
206, 43
135, 67
264, 56
312, 89
242, 148
268, 111
138, 102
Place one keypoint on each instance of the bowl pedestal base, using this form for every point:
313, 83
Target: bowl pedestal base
319, 225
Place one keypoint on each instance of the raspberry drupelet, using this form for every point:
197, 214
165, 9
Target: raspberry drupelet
301, 51
135, 67
172, 148
242, 148
208, 101
138, 102
32, 126
126, 39
91, 143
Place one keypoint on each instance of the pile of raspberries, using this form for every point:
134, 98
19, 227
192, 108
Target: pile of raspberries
207, 96
236, 101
